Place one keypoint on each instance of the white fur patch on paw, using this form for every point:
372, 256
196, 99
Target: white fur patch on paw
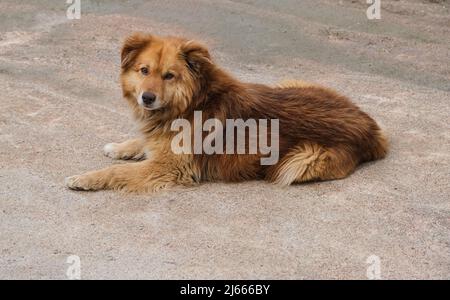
74, 183
111, 150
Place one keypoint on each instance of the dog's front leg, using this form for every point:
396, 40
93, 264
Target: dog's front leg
144, 176
131, 149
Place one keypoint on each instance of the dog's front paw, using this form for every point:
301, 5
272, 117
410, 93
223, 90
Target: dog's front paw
112, 150
79, 183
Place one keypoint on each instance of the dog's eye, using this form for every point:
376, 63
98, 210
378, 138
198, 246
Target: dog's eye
168, 76
144, 71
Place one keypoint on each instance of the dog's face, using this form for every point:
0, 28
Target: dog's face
161, 74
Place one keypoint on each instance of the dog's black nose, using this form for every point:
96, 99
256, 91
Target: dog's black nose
148, 98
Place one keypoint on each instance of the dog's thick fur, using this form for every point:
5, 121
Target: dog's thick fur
322, 135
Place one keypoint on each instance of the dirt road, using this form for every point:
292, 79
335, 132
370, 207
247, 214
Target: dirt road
60, 102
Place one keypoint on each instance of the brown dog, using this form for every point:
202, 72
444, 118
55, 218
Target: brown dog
322, 135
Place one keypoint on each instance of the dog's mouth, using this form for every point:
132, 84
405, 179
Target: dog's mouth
151, 108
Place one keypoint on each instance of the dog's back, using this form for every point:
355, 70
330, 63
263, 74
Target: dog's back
322, 134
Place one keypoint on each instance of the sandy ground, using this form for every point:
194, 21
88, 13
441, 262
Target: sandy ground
61, 102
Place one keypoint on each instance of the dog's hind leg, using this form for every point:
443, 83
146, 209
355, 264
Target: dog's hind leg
310, 162
131, 149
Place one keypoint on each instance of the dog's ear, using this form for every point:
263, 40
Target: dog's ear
131, 48
196, 55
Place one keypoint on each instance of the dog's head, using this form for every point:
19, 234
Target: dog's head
162, 74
